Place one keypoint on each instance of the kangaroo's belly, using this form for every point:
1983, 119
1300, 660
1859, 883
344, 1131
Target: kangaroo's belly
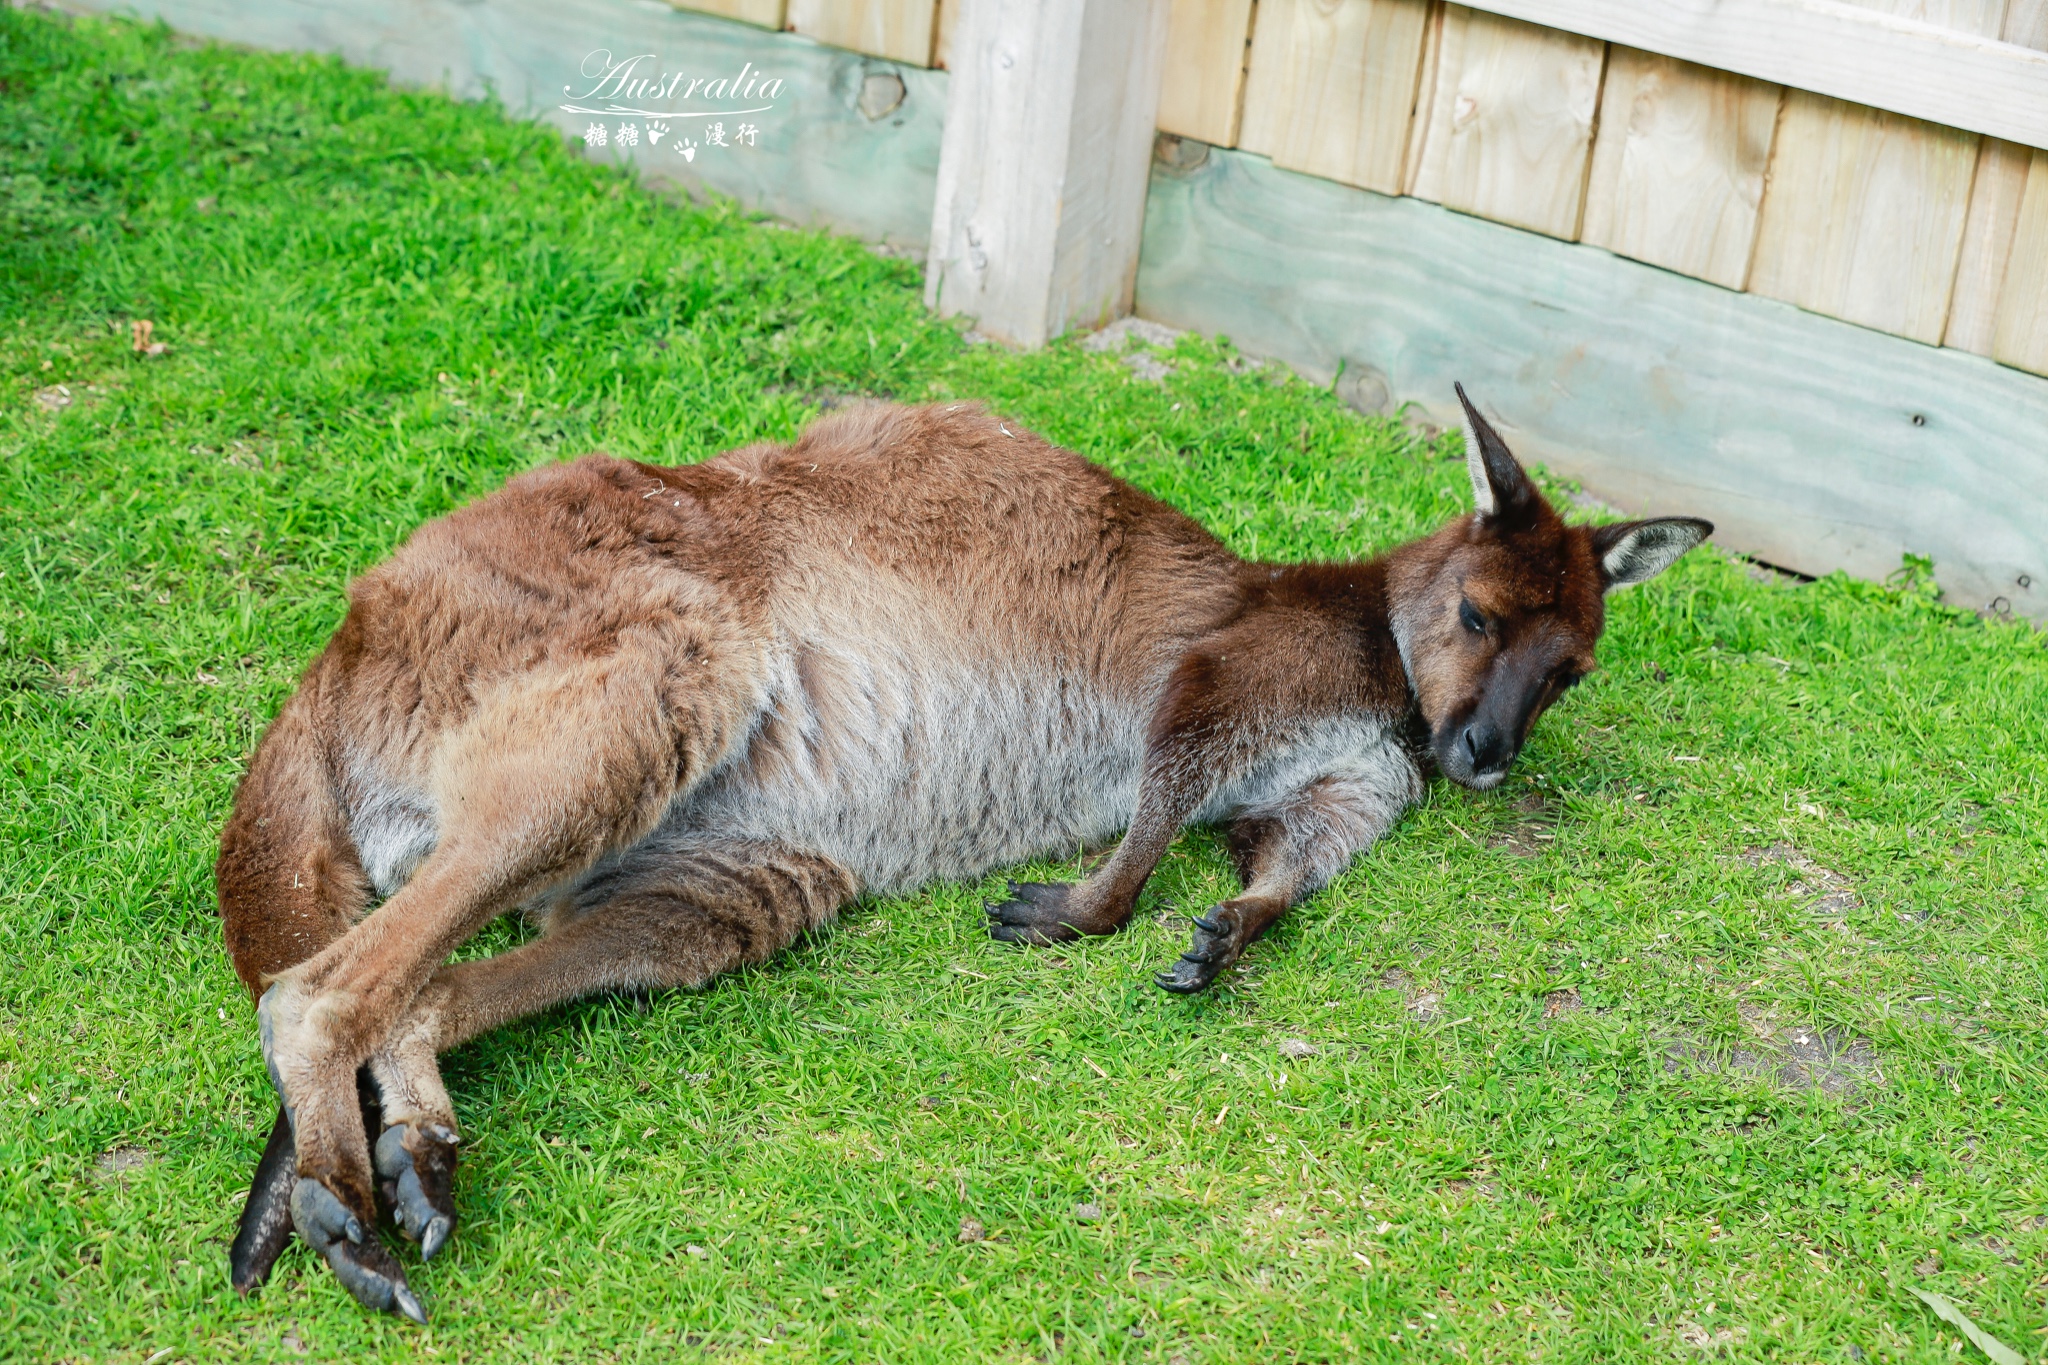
907, 764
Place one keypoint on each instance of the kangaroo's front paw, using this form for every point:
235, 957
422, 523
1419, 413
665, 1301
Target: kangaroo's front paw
416, 1174
1036, 913
1218, 941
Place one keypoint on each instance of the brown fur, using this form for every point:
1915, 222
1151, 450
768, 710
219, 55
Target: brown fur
613, 693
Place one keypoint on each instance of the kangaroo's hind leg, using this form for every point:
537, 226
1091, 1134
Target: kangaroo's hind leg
665, 916
662, 917
556, 769
669, 913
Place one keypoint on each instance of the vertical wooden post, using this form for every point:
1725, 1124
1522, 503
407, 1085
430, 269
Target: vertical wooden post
1042, 173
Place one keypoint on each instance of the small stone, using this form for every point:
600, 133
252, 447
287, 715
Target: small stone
971, 1230
1298, 1047
694, 1250
1087, 1213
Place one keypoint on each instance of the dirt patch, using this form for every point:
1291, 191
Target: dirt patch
1424, 1006
1529, 836
830, 399
1833, 895
117, 1163
1119, 334
1147, 366
1117, 337
1557, 1004
1832, 1061
1715, 1342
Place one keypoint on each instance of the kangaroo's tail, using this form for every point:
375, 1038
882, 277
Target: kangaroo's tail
290, 883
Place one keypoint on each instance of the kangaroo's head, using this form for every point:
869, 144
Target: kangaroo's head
1498, 613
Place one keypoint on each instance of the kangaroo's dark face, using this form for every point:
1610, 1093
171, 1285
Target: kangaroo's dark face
1498, 613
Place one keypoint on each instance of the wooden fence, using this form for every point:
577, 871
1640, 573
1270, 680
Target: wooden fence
1815, 184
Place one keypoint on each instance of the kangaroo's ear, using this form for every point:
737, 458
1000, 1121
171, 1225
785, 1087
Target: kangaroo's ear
1499, 487
1632, 551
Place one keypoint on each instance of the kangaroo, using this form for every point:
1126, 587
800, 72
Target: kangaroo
683, 715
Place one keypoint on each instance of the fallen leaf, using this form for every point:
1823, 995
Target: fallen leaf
139, 333
1956, 1318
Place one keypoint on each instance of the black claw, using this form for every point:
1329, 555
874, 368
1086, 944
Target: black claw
402, 1299
1032, 914
418, 1170
1214, 948
363, 1266
1184, 981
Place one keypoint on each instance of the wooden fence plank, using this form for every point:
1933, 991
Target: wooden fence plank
1809, 442
1203, 84
942, 37
1332, 87
766, 13
1042, 177
900, 30
1678, 165
1864, 215
2022, 333
1511, 122
1425, 96
1994, 215
1988, 230
1904, 65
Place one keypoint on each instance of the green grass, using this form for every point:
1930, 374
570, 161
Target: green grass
380, 304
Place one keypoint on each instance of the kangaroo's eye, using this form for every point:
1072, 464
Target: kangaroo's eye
1469, 614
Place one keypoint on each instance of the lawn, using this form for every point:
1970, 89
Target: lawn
1713, 1033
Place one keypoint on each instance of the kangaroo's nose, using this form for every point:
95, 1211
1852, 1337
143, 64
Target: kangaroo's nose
1486, 747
